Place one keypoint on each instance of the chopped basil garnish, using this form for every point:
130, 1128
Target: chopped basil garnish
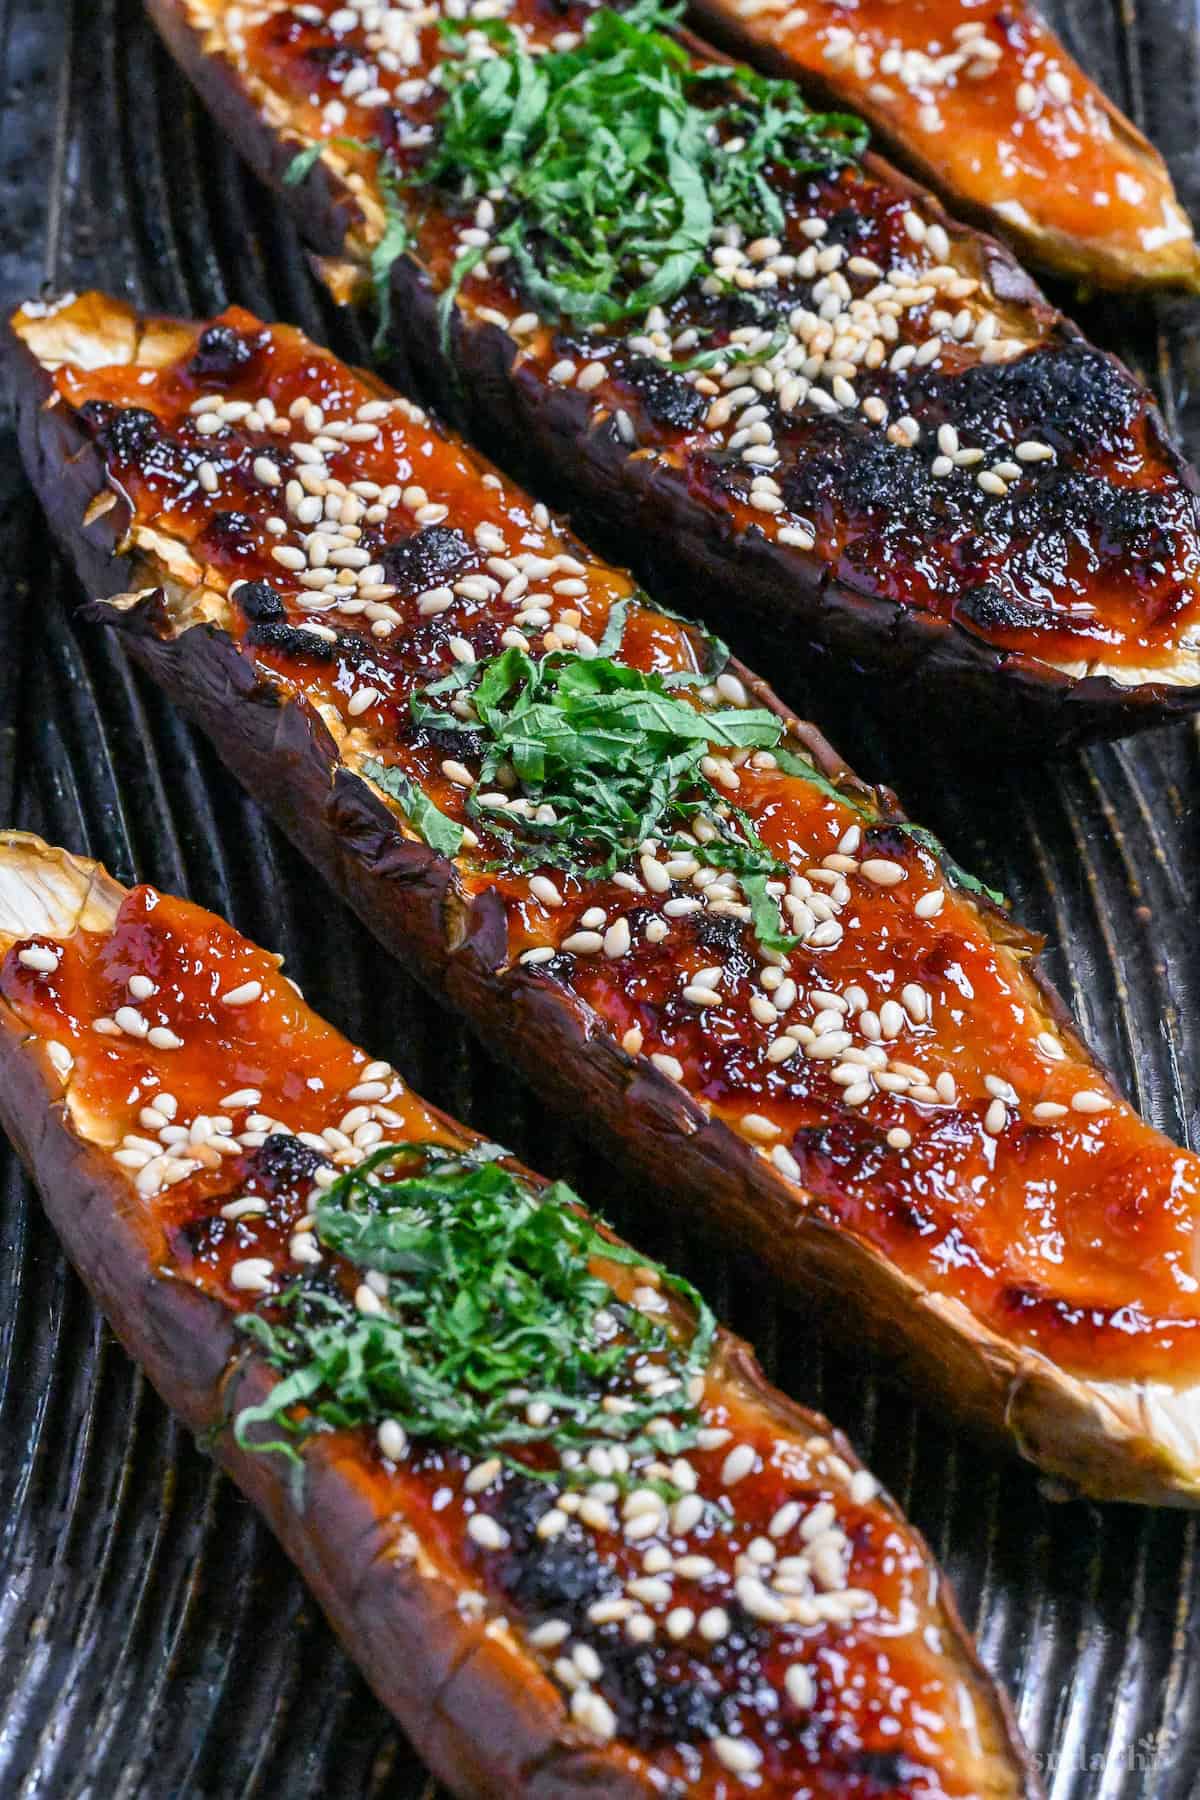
491, 1306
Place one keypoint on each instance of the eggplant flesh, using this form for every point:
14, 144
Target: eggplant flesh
991, 524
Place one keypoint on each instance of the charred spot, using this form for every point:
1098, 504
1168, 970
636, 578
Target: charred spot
711, 313
653, 1706
459, 744
881, 1772
220, 354
127, 432
722, 932
562, 1575
425, 559
1068, 395
667, 398
868, 478
231, 530
991, 609
275, 634
285, 1162
848, 226
333, 60
1115, 521
260, 602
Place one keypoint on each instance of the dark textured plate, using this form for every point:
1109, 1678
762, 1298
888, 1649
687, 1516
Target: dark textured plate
153, 1641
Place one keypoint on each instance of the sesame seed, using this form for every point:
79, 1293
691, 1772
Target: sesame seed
486, 1532
44, 961
667, 1065
392, 1440
1050, 1109
252, 1275
1087, 1100
996, 1118
738, 1464
738, 1755
245, 995
881, 872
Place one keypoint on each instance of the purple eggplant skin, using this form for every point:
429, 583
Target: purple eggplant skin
784, 605
456, 946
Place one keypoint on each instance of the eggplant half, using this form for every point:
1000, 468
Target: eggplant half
667, 900
748, 356
987, 107
576, 1542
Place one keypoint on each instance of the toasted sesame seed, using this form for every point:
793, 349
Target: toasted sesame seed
738, 1464
252, 1275
39, 958
738, 1755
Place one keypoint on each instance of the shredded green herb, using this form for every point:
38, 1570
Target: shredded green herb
614, 162
441, 833
492, 1304
604, 755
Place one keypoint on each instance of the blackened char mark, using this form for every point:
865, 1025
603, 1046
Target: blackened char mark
563, 1575
989, 608
286, 1163
128, 433
667, 398
426, 559
260, 602
459, 744
220, 354
230, 530
275, 634
656, 1704
723, 933
1069, 396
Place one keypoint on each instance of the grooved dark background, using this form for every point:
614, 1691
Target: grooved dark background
153, 1641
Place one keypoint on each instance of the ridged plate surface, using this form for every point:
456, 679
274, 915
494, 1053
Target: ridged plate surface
153, 1641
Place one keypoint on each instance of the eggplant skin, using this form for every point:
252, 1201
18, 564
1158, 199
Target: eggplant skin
1113, 1440
784, 604
477, 1709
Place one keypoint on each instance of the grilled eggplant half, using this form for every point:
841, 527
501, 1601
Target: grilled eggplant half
986, 106
575, 1540
759, 364
667, 900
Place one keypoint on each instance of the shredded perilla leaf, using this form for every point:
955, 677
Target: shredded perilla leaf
492, 1303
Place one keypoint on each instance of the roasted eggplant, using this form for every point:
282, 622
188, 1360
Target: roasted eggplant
986, 106
668, 901
575, 1540
762, 366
